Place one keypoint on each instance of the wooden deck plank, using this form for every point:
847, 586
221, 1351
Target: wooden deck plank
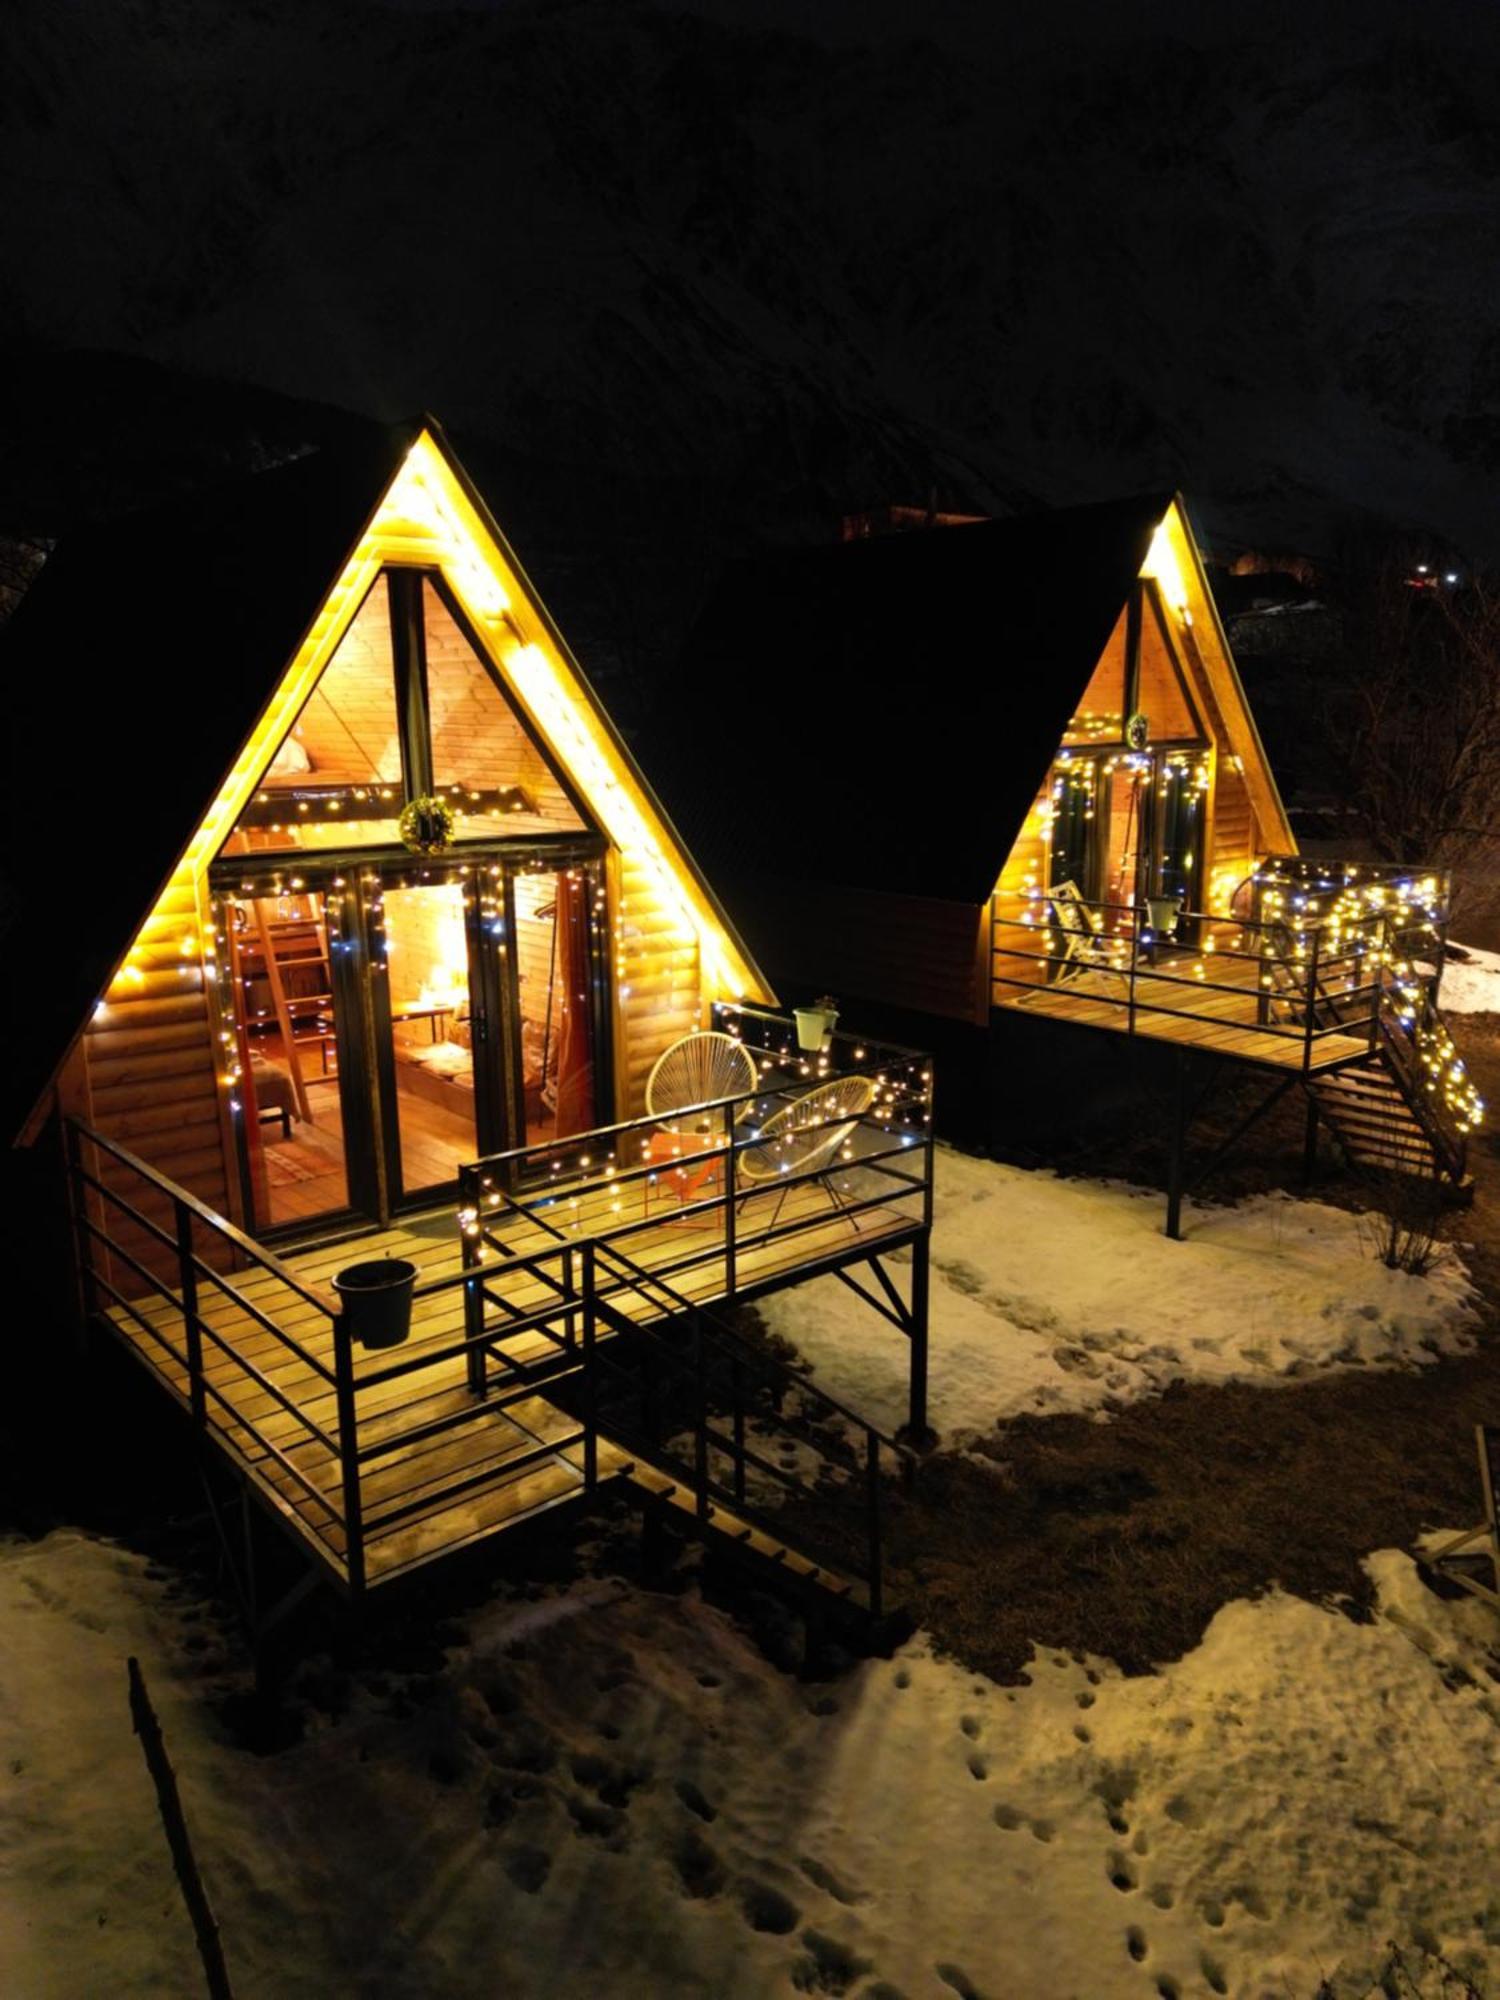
688, 1248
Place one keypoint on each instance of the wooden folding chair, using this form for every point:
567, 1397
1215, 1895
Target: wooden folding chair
1457, 1558
1085, 947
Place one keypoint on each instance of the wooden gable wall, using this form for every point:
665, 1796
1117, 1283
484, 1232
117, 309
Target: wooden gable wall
1245, 821
151, 1067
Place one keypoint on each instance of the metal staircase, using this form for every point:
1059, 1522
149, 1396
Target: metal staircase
1393, 1113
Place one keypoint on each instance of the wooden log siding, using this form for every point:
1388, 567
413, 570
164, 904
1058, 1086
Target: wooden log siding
660, 981
151, 1063
1027, 865
1236, 843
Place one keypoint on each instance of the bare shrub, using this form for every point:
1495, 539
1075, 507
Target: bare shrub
1401, 1227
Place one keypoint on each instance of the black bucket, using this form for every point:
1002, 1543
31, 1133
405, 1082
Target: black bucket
377, 1300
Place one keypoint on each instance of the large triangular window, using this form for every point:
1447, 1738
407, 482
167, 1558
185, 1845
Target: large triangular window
407, 705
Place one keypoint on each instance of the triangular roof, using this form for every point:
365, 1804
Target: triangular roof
908, 694
148, 670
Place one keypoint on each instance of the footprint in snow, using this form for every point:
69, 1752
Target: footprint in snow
829, 1967
694, 1800
699, 1868
766, 1909
1213, 1974
969, 1724
959, 1980
978, 1766
823, 1877
1008, 1819
1121, 1870
1135, 1943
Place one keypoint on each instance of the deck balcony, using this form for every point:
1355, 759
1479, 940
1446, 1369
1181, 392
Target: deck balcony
564, 1309
1315, 967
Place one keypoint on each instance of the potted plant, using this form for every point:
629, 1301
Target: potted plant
815, 1023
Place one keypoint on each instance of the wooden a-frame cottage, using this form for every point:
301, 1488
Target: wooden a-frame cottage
1018, 807
377, 944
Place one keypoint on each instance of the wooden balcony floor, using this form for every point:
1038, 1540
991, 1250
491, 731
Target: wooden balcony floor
1222, 1023
483, 1449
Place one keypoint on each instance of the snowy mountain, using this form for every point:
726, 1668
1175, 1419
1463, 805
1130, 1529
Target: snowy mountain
723, 278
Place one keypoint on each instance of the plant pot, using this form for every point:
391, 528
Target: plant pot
1164, 913
814, 1026
376, 1298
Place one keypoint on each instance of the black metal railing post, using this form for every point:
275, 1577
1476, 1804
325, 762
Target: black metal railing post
192, 1331
1377, 995
471, 1249
872, 1505
730, 1196
343, 1389
700, 1439
590, 1373
738, 1379
1311, 990
83, 1241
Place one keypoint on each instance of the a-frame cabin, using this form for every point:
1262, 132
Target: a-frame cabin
1016, 793
362, 935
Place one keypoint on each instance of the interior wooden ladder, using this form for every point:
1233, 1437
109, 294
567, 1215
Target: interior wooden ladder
295, 945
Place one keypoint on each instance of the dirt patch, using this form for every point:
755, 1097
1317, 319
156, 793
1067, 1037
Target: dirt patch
1124, 1538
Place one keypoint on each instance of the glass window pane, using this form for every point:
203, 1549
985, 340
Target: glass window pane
1163, 700
427, 970
1100, 715
554, 964
480, 749
335, 780
286, 1054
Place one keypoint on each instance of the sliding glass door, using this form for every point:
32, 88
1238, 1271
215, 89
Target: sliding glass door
395, 1020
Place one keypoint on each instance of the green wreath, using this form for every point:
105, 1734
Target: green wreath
426, 825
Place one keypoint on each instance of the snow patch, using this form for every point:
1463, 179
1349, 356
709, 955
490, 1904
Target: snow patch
1054, 1295
612, 1788
1471, 985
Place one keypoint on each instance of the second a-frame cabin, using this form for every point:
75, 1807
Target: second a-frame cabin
377, 1005
1016, 805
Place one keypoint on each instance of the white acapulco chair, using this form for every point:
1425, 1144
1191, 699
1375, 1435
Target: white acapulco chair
694, 1073
686, 1082
805, 1134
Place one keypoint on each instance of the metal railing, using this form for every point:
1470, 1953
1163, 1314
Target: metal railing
242, 1366
1284, 982
697, 1405
172, 1266
746, 1175
347, 1444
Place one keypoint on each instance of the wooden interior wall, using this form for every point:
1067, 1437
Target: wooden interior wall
348, 723
1100, 714
477, 739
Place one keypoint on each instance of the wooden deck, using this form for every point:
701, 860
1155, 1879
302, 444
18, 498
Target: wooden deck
1171, 1004
510, 1463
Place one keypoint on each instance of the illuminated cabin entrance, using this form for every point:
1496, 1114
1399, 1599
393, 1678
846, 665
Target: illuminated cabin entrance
396, 1019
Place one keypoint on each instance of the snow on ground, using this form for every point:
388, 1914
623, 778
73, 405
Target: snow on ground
613, 1792
1471, 985
1063, 1295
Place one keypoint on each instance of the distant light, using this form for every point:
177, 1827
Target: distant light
1421, 569
1451, 577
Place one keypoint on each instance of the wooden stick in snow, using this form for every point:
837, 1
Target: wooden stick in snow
210, 1950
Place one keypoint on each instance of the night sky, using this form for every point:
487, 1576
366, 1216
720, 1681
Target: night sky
691, 277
